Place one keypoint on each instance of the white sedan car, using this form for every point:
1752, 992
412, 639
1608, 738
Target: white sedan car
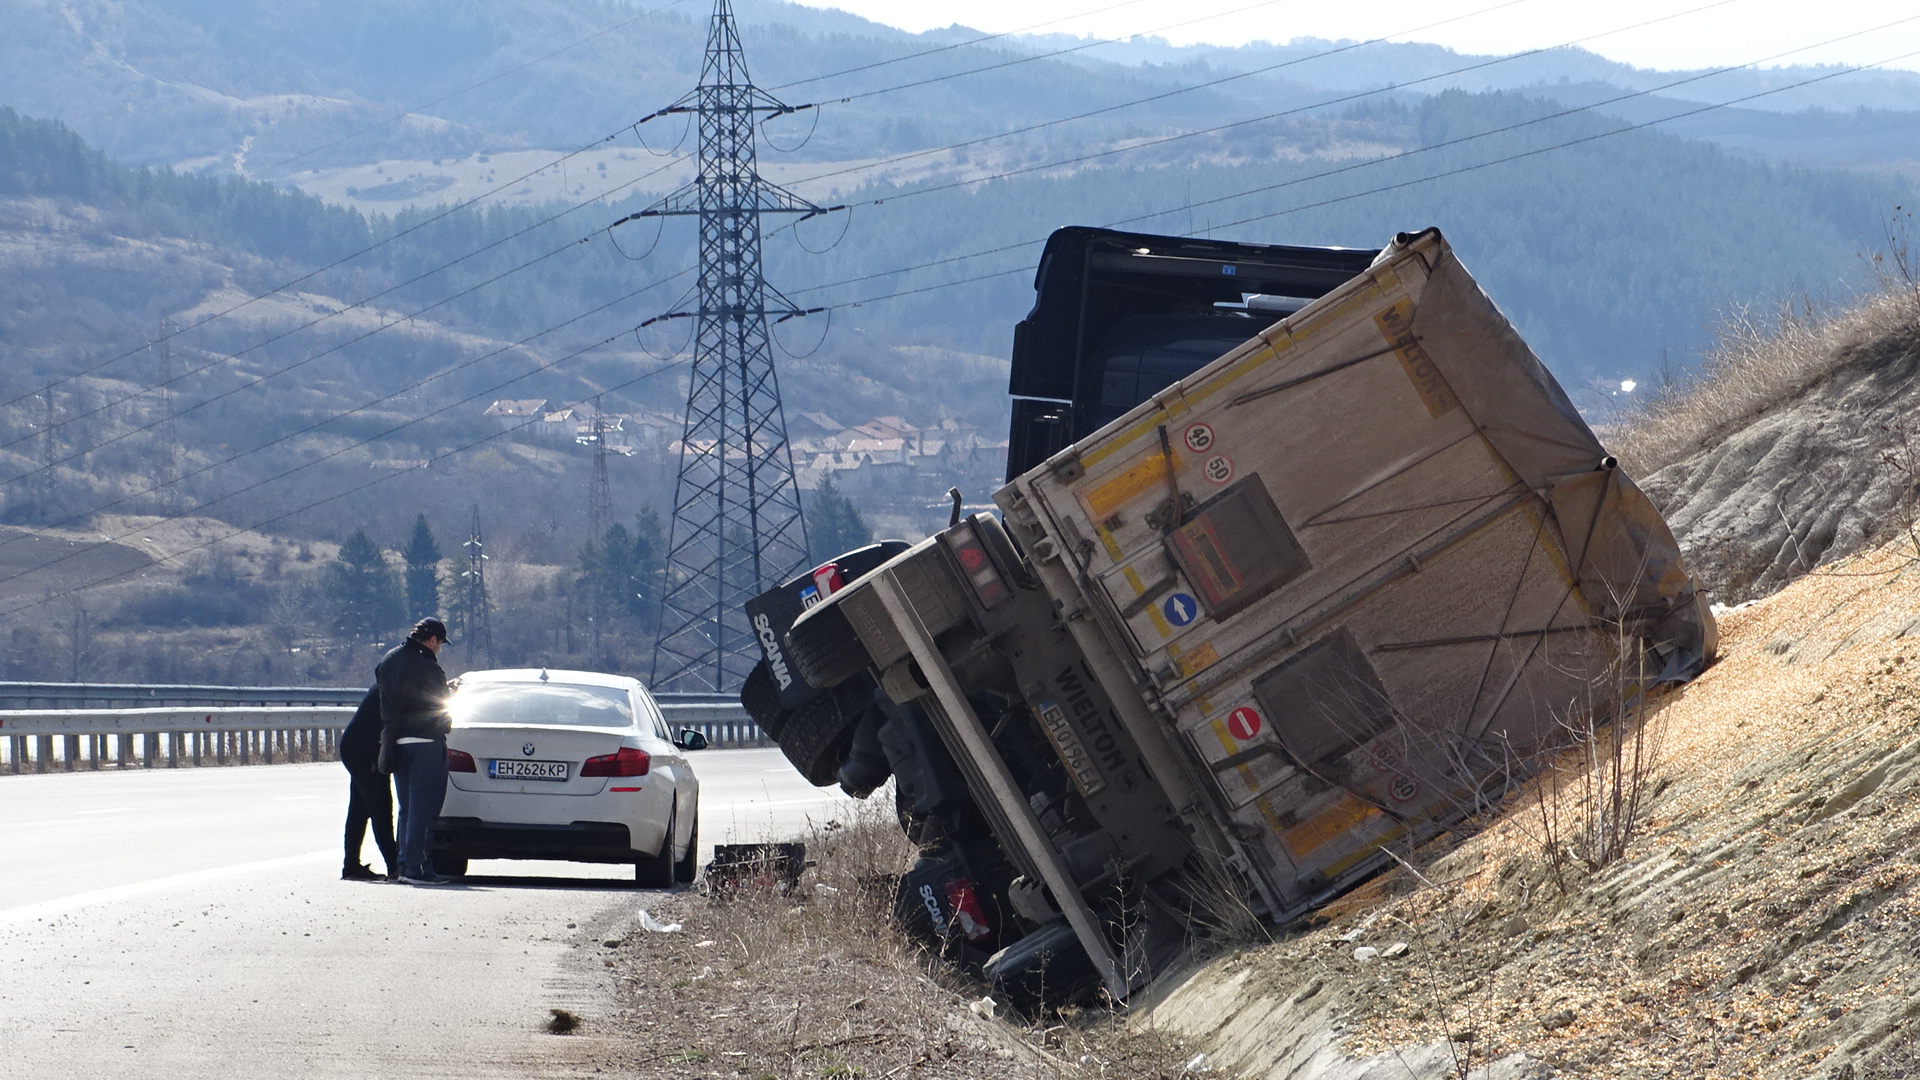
569, 765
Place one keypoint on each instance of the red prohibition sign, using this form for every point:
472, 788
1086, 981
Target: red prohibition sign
1243, 723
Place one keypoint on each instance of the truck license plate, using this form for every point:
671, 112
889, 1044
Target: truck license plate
515, 769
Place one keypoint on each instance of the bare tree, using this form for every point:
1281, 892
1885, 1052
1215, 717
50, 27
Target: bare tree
77, 628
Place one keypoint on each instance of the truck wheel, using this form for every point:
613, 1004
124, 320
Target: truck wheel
1046, 969
761, 698
826, 649
817, 735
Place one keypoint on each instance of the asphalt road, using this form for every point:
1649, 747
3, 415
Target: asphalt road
192, 923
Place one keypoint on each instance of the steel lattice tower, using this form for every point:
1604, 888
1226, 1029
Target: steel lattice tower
599, 516
737, 528
476, 606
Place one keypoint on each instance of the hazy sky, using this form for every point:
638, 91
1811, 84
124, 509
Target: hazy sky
1699, 33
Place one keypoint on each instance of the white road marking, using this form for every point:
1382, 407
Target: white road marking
64, 904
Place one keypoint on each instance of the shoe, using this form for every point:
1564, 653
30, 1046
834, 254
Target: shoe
431, 879
359, 872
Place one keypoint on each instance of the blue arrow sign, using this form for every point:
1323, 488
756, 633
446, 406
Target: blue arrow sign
1180, 609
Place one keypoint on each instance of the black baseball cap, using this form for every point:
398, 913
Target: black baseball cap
431, 628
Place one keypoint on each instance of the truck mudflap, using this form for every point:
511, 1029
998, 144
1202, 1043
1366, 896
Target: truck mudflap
1359, 569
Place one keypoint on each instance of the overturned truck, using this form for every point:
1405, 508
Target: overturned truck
1303, 555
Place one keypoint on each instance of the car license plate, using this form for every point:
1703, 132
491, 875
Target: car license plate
515, 769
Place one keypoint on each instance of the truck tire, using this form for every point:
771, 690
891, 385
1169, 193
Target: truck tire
817, 735
760, 696
1044, 970
826, 648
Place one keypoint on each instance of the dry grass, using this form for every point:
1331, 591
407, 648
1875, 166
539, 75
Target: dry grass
1761, 360
1762, 924
816, 982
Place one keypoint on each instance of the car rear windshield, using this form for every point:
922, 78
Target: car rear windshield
542, 703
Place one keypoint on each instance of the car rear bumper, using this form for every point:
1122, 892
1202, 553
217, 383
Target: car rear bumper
578, 841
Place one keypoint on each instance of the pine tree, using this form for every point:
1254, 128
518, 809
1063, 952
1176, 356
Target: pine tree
649, 566
423, 571
363, 590
834, 524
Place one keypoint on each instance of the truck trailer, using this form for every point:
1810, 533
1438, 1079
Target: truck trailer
1303, 558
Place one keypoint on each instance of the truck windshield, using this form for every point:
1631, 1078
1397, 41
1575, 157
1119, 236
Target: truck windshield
542, 703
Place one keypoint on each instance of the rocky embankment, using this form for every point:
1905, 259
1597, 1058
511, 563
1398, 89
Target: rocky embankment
1760, 923
1798, 446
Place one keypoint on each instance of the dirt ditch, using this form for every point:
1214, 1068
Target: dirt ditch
813, 982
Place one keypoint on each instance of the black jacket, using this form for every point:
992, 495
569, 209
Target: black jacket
413, 696
360, 743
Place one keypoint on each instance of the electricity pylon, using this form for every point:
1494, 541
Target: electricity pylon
599, 516
737, 528
476, 606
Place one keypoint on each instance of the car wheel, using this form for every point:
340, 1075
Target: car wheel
448, 865
818, 733
761, 697
826, 648
656, 871
685, 869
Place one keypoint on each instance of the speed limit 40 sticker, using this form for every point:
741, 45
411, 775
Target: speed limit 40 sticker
1199, 438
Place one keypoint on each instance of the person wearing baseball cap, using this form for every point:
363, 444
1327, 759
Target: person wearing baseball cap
414, 722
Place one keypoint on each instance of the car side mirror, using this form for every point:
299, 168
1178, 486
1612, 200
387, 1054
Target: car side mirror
690, 740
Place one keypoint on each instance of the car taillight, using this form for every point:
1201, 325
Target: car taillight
628, 762
974, 563
460, 761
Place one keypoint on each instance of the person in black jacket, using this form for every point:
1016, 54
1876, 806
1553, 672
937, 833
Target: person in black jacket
413, 742
369, 798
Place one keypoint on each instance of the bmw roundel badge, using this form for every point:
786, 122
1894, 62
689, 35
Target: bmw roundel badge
527, 749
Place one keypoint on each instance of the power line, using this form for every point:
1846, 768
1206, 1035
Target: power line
341, 261
1370, 162
1337, 199
443, 99
1131, 147
1079, 47
220, 358
276, 519
949, 48
319, 424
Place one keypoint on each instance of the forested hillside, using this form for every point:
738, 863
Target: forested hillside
258, 359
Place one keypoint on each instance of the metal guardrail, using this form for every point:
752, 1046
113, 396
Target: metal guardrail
204, 733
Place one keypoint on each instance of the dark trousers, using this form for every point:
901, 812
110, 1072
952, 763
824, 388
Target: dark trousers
420, 779
370, 801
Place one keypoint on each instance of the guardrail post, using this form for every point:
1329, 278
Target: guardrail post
19, 751
266, 747
45, 755
72, 752
173, 749
125, 755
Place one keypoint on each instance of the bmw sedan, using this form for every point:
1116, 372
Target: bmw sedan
569, 765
